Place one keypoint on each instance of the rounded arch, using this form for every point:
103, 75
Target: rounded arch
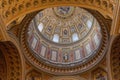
68, 78
33, 74
3, 67
13, 61
22, 7
115, 58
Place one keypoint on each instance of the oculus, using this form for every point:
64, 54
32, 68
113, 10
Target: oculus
64, 11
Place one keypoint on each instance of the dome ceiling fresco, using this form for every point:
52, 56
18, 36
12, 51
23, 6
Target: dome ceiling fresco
52, 36
63, 37
64, 25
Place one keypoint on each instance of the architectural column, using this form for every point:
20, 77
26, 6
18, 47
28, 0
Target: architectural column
108, 57
3, 33
115, 29
114, 58
13, 61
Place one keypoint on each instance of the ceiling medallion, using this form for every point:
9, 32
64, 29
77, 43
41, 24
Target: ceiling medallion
64, 11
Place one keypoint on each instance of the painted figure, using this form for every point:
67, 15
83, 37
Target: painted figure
100, 77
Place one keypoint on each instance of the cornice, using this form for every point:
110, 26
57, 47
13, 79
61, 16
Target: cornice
11, 10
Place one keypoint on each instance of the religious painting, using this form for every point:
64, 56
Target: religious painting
65, 32
33, 75
80, 26
65, 54
54, 55
100, 77
77, 54
64, 11
49, 29
100, 74
65, 57
43, 50
72, 29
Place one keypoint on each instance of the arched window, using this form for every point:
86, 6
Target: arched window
40, 27
75, 37
89, 24
96, 39
88, 49
34, 42
56, 38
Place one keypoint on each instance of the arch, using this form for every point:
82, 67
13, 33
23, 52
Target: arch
56, 38
20, 8
33, 75
115, 58
3, 67
68, 78
75, 37
13, 61
40, 27
89, 24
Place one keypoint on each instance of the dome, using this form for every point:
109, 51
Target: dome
63, 25
65, 35
64, 38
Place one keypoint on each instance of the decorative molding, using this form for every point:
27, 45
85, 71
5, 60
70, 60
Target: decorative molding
68, 78
115, 58
13, 61
11, 10
115, 29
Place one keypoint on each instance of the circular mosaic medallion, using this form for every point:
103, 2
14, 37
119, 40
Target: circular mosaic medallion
64, 11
